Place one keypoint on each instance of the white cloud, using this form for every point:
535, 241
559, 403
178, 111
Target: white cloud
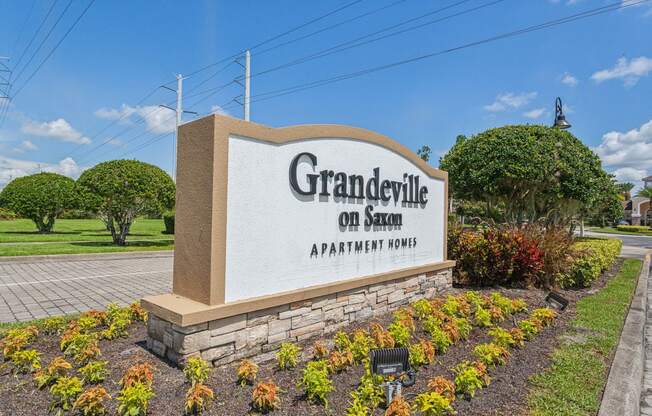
14, 168
28, 145
58, 129
216, 109
637, 3
116, 142
569, 80
157, 119
535, 113
630, 71
631, 149
510, 101
632, 175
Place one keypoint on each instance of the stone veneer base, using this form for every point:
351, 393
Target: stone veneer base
261, 332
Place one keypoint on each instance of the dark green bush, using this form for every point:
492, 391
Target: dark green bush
168, 219
7, 215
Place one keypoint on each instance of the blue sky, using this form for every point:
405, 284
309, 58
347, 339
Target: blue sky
122, 50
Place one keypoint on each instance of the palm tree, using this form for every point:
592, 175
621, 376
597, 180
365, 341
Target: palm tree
646, 193
626, 189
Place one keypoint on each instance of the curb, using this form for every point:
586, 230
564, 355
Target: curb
622, 394
83, 257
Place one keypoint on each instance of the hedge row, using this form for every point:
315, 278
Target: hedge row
633, 228
592, 257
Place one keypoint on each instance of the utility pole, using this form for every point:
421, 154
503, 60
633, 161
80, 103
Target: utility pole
246, 102
247, 91
5, 87
179, 113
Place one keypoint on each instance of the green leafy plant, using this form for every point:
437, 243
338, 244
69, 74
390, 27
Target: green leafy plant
356, 407
26, 361
422, 308
497, 315
432, 323
342, 341
442, 386
41, 197
86, 323
450, 328
369, 392
361, 345
519, 305
501, 337
440, 340
16, 339
197, 399
138, 313
64, 393
518, 337
482, 317
451, 306
56, 369
529, 328
502, 302
197, 370
134, 399
398, 407
265, 396
400, 333
405, 316
247, 372
91, 401
94, 372
491, 354
470, 377
464, 327
432, 404
315, 382
544, 315
53, 325
287, 356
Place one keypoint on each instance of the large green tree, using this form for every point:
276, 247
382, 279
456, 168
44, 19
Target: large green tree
41, 197
535, 172
120, 190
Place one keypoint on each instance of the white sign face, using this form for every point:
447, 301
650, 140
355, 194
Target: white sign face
319, 211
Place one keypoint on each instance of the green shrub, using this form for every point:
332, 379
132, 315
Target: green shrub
591, 258
433, 404
197, 399
491, 354
265, 397
41, 197
342, 341
464, 327
470, 377
369, 392
287, 356
56, 369
7, 215
94, 372
361, 345
315, 382
64, 393
422, 308
633, 228
168, 220
53, 325
134, 399
482, 317
501, 337
400, 333
530, 328
26, 361
196, 370
440, 340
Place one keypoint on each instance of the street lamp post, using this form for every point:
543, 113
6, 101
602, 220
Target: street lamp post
560, 119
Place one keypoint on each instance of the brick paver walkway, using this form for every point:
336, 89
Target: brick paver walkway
39, 289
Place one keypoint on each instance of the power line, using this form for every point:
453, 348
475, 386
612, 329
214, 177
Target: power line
579, 16
333, 26
38, 30
45, 38
273, 38
22, 27
65, 35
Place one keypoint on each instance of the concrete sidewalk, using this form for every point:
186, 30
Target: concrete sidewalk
40, 286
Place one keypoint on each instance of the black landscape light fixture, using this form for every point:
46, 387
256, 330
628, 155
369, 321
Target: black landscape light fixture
557, 301
393, 362
560, 119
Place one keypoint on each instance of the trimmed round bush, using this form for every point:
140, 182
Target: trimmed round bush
41, 198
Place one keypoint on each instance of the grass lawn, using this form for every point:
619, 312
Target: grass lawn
612, 230
79, 236
573, 384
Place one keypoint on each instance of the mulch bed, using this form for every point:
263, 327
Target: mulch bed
506, 395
